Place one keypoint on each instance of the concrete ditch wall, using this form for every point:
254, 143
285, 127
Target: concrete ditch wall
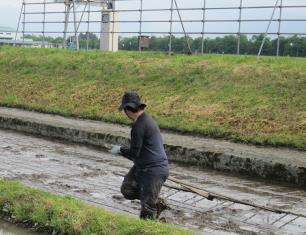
189, 150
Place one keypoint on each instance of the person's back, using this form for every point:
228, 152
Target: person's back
152, 157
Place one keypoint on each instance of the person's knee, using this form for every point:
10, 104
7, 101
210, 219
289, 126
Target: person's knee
128, 193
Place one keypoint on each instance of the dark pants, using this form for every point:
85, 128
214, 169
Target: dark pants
144, 187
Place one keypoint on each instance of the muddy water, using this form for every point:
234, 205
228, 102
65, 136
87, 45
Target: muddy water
9, 229
95, 176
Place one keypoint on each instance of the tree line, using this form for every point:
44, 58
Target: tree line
288, 46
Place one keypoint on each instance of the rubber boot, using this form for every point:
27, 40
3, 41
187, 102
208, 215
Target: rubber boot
161, 205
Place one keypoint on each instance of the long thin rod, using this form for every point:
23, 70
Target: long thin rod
23, 23
113, 24
164, 32
265, 35
67, 14
223, 197
88, 24
203, 26
44, 23
183, 9
176, 21
81, 19
183, 27
197, 8
21, 10
279, 27
140, 25
200, 192
171, 25
239, 28
75, 26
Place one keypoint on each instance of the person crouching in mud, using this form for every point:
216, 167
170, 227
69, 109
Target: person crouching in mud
150, 170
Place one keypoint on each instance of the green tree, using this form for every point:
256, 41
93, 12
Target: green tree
93, 41
130, 44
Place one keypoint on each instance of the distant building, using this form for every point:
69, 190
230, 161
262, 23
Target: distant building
7, 37
7, 33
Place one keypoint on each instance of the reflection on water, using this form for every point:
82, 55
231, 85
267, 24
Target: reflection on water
9, 229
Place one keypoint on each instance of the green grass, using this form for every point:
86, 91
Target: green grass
233, 97
65, 215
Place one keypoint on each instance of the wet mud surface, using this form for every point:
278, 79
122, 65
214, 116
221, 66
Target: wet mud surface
95, 177
9, 229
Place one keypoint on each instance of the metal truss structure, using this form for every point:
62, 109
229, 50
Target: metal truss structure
175, 16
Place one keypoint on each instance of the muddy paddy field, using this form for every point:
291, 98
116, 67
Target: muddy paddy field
9, 229
94, 176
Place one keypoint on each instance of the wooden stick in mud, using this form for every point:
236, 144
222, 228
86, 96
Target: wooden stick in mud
197, 190
200, 192
210, 195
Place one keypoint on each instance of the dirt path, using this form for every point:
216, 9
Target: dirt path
92, 176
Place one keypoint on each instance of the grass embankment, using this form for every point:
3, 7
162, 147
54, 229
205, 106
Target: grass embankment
238, 98
64, 215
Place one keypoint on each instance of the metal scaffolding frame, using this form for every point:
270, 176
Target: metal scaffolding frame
71, 5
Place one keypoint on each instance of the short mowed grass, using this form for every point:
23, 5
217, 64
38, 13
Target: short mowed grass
233, 97
65, 215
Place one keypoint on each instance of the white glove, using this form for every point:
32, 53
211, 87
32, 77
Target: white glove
115, 149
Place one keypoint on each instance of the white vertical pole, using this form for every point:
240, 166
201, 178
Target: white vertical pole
171, 24
140, 25
203, 26
88, 19
44, 23
75, 26
239, 28
113, 28
67, 14
24, 18
279, 27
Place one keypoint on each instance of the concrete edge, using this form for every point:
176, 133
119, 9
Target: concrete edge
253, 167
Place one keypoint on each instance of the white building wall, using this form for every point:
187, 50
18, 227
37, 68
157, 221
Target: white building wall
7, 35
108, 39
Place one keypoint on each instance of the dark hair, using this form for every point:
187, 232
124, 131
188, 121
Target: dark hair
135, 110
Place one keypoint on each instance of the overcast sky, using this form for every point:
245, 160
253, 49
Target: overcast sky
10, 10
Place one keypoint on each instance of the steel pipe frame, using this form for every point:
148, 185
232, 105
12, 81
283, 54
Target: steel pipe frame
181, 9
158, 32
168, 21
171, 21
89, 1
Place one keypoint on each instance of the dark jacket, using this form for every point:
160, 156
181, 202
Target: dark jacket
146, 149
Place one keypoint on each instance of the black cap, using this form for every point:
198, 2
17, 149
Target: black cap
131, 99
